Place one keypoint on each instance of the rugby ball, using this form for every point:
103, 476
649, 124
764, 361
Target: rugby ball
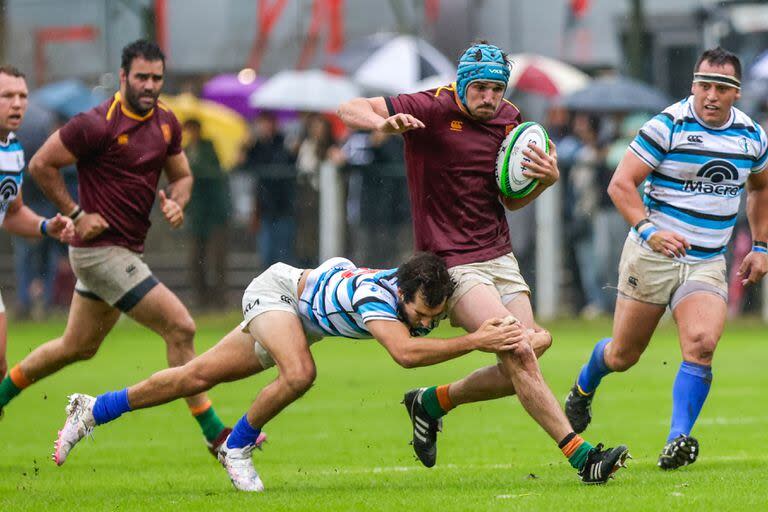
510, 161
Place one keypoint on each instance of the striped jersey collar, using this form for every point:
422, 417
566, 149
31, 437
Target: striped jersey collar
692, 110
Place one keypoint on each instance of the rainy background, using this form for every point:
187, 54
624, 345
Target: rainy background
278, 178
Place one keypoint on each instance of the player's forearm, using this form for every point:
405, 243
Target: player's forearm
358, 114
417, 352
181, 190
757, 213
50, 181
23, 222
627, 200
513, 204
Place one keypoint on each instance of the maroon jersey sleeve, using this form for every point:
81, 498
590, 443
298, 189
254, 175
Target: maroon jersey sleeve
174, 148
85, 134
419, 105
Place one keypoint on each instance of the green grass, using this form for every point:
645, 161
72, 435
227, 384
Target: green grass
344, 445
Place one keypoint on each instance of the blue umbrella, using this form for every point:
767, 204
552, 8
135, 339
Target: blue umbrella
67, 98
616, 94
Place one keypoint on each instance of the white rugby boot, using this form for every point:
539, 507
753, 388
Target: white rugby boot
239, 466
80, 422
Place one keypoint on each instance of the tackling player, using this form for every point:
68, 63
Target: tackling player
120, 148
285, 310
695, 158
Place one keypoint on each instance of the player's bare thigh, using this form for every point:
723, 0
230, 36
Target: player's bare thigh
162, 311
476, 306
700, 319
282, 335
633, 324
231, 359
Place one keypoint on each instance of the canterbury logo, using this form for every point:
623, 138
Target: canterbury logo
718, 171
695, 139
122, 139
456, 126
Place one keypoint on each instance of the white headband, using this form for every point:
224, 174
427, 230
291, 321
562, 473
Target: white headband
716, 78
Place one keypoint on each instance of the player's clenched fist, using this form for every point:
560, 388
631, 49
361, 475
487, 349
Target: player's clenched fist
171, 209
90, 225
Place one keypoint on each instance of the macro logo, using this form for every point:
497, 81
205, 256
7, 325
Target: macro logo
8, 189
456, 126
716, 171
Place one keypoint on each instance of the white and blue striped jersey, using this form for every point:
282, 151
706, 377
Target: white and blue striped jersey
698, 174
339, 298
11, 175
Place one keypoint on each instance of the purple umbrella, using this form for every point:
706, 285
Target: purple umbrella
233, 91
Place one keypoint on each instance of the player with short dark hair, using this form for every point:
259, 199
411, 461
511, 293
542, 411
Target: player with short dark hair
120, 148
695, 158
285, 310
452, 136
15, 216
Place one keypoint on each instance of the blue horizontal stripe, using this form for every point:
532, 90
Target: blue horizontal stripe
705, 255
655, 151
376, 306
687, 218
10, 148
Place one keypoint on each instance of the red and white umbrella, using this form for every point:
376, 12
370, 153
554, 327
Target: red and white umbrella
544, 76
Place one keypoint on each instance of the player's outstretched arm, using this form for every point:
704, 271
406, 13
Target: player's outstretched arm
21, 220
371, 114
755, 264
494, 335
622, 189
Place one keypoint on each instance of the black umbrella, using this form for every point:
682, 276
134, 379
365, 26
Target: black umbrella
617, 94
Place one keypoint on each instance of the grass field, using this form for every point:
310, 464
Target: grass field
344, 445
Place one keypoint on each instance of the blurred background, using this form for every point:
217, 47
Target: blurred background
278, 178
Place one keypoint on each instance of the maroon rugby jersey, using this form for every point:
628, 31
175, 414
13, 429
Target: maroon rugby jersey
450, 164
119, 159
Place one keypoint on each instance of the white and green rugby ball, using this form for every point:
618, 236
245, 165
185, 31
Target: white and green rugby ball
510, 161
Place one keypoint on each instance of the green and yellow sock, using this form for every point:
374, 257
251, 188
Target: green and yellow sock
436, 401
576, 449
13, 384
208, 420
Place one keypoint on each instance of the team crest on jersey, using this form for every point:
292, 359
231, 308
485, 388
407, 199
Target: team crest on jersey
744, 145
166, 132
456, 126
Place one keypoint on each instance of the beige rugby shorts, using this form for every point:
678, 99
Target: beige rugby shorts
503, 273
113, 274
648, 276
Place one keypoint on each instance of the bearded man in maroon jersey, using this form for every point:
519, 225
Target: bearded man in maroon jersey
452, 135
120, 148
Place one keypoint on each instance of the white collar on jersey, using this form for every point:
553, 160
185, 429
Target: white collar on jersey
727, 125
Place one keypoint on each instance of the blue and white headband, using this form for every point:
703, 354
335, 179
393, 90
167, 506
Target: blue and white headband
484, 62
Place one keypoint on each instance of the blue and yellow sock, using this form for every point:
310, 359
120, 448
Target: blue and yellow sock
13, 384
576, 449
595, 369
243, 434
688, 395
110, 406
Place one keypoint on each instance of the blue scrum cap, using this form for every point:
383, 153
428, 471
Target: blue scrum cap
481, 62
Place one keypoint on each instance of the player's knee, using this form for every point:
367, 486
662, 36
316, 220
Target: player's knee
183, 330
194, 381
700, 347
299, 379
621, 361
83, 353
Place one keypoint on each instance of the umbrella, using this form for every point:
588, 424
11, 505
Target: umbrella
67, 98
394, 63
759, 69
38, 124
308, 91
233, 91
221, 125
545, 76
616, 94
